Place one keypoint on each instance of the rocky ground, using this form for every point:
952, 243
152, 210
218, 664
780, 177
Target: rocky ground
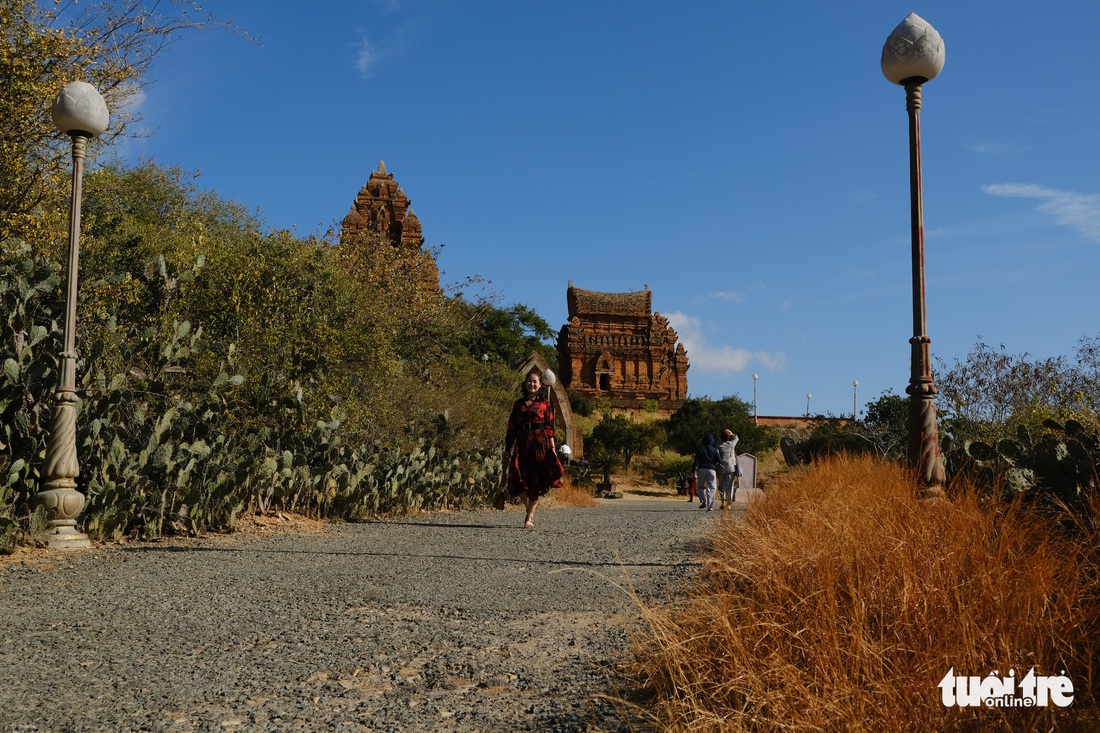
441, 622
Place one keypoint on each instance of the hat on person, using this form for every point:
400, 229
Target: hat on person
727, 433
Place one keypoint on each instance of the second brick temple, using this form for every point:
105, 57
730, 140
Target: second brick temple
615, 346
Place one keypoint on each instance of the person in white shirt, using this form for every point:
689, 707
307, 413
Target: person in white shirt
727, 467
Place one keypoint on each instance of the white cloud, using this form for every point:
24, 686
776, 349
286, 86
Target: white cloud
131, 98
128, 101
720, 359
1080, 212
989, 147
364, 58
863, 196
726, 295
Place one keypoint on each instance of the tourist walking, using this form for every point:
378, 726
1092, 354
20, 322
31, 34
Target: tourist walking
706, 472
727, 468
533, 465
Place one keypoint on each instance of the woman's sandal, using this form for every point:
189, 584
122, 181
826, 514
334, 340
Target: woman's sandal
501, 499
529, 524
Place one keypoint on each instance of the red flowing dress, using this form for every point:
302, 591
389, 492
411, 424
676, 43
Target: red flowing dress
533, 464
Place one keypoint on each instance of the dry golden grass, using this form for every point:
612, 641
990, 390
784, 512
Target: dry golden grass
840, 602
570, 495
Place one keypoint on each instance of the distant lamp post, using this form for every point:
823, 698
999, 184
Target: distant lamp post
912, 55
79, 112
755, 414
855, 388
808, 396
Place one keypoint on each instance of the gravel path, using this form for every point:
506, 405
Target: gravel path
443, 622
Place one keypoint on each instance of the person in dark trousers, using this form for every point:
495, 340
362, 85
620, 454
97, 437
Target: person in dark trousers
727, 468
706, 472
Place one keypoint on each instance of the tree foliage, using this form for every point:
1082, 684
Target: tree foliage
621, 435
43, 46
508, 334
225, 368
885, 425
989, 393
883, 432
698, 417
222, 367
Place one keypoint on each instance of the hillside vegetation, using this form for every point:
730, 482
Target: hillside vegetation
225, 369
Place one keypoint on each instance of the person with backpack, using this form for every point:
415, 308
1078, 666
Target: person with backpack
706, 471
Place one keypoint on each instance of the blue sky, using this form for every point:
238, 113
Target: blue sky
746, 161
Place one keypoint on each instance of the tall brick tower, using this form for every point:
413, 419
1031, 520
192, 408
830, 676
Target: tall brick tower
383, 207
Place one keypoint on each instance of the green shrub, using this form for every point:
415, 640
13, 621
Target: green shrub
580, 404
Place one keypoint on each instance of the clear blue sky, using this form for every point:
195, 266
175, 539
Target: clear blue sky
747, 161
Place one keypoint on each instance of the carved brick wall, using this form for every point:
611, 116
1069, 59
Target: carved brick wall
614, 346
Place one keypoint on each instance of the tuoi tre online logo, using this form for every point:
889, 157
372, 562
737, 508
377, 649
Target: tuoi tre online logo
1004, 692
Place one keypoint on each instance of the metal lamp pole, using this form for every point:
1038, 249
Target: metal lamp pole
80, 112
808, 396
912, 55
755, 414
855, 387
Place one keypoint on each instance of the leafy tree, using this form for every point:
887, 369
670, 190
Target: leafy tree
580, 404
43, 46
407, 360
1085, 387
508, 334
883, 431
885, 425
991, 392
603, 460
350, 323
158, 251
831, 436
621, 435
698, 417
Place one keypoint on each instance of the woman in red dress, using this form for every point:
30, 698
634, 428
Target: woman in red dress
533, 465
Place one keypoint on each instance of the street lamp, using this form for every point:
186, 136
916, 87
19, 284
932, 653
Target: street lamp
855, 386
808, 396
755, 414
912, 55
80, 112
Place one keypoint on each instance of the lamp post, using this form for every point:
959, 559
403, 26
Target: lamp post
755, 414
549, 379
912, 55
80, 112
855, 387
808, 396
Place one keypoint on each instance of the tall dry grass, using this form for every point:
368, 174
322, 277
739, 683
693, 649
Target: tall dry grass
840, 602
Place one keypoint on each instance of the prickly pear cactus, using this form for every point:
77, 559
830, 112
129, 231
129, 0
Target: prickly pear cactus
1060, 462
